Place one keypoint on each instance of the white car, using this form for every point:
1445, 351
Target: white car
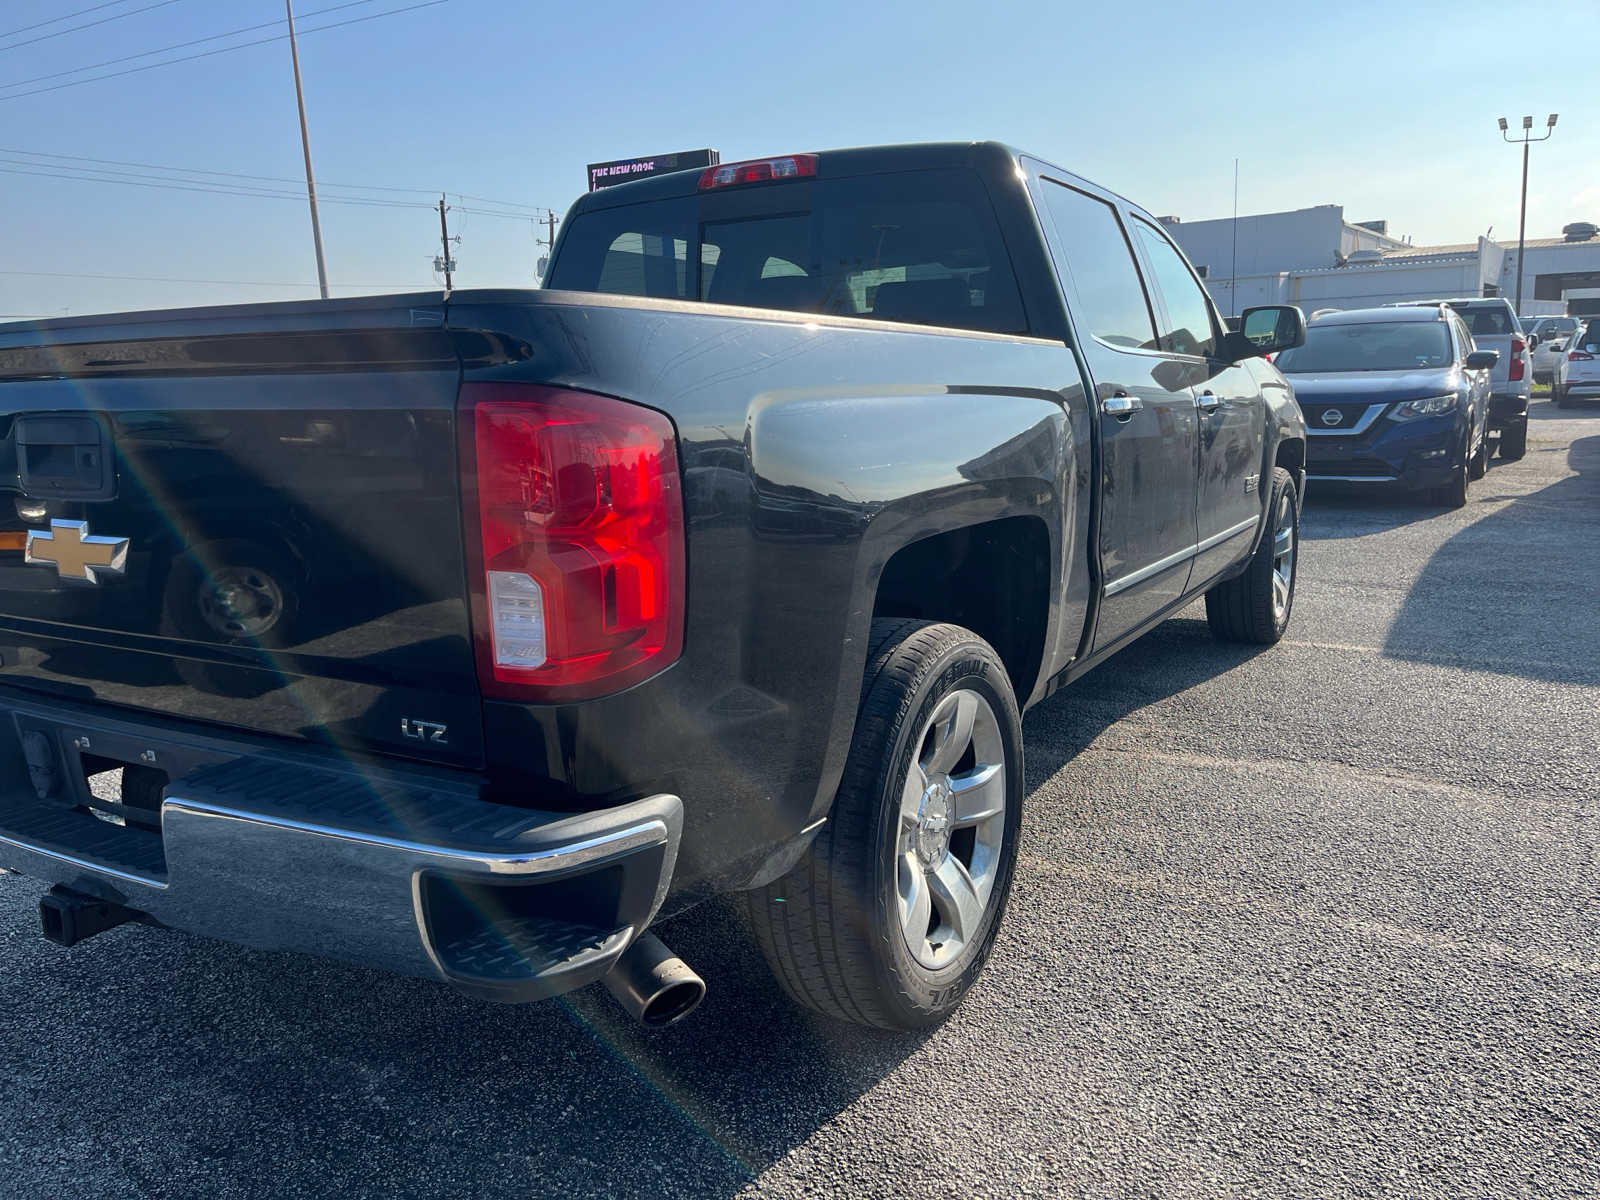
1577, 374
1547, 339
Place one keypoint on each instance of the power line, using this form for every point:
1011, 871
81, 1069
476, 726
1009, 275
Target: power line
222, 50
45, 37
215, 37
181, 171
62, 17
202, 186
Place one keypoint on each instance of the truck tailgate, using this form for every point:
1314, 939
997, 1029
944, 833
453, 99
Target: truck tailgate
242, 516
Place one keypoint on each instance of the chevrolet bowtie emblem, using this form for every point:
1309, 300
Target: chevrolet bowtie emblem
67, 546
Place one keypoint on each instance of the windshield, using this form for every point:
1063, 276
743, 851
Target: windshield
1375, 346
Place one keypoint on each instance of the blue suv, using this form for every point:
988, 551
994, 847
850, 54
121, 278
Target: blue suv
1396, 396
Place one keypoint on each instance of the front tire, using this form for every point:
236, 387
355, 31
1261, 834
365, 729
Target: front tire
1454, 493
1478, 465
1255, 606
889, 918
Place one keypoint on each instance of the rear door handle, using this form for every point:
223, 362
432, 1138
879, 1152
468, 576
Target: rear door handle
1121, 405
1209, 402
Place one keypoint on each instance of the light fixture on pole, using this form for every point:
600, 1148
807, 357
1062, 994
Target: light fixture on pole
1522, 220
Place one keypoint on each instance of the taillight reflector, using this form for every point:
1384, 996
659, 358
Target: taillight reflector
574, 537
1518, 363
1578, 356
759, 170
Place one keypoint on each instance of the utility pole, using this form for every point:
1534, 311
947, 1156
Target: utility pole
305, 145
444, 244
549, 242
1522, 219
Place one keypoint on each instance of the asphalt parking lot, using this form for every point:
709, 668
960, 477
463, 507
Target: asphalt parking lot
1317, 921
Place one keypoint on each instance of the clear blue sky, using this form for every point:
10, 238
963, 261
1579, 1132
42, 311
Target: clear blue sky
1387, 109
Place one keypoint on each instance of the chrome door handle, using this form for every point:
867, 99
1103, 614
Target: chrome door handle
1121, 405
1209, 402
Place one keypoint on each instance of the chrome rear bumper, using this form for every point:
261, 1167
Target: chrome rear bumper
405, 871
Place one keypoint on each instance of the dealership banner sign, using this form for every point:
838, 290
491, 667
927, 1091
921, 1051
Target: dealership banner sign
624, 170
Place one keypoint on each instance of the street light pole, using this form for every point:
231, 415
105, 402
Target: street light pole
1522, 219
305, 145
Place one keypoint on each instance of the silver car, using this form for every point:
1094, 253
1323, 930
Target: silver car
1547, 342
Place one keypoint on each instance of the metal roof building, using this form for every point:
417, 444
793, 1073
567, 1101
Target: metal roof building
1315, 259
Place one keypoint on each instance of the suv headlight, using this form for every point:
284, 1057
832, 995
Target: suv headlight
1429, 406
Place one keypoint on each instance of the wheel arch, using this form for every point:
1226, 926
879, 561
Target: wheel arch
992, 577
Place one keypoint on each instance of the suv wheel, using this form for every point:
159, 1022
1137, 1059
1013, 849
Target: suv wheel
890, 916
1255, 606
1478, 465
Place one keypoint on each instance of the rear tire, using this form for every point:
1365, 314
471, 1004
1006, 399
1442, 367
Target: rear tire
1558, 395
1255, 606
916, 848
1514, 441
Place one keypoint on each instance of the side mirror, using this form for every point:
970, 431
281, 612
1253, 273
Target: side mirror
1533, 340
1482, 360
1269, 329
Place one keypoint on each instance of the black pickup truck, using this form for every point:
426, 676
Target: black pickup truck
467, 635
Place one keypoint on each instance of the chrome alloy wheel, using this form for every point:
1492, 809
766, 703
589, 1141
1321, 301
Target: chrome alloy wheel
952, 824
1283, 557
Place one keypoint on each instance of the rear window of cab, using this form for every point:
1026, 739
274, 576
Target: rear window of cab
916, 246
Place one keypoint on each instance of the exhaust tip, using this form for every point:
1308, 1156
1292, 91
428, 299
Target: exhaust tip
655, 986
673, 1003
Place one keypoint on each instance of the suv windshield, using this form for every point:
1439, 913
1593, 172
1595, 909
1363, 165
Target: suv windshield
918, 246
1373, 346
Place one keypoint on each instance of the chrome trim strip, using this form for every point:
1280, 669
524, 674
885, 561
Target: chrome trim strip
1145, 572
1356, 478
1363, 423
1172, 560
86, 864
648, 833
1216, 539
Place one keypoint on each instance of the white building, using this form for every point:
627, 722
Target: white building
1314, 258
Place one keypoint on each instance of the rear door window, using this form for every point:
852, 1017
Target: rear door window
916, 246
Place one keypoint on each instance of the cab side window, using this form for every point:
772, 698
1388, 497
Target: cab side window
1189, 329
1110, 300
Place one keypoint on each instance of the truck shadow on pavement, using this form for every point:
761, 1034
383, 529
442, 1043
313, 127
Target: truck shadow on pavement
1485, 599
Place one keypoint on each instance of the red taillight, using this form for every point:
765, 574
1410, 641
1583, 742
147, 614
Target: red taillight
1578, 356
574, 536
759, 170
1517, 363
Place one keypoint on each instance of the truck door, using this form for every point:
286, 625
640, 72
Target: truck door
1146, 409
1232, 411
